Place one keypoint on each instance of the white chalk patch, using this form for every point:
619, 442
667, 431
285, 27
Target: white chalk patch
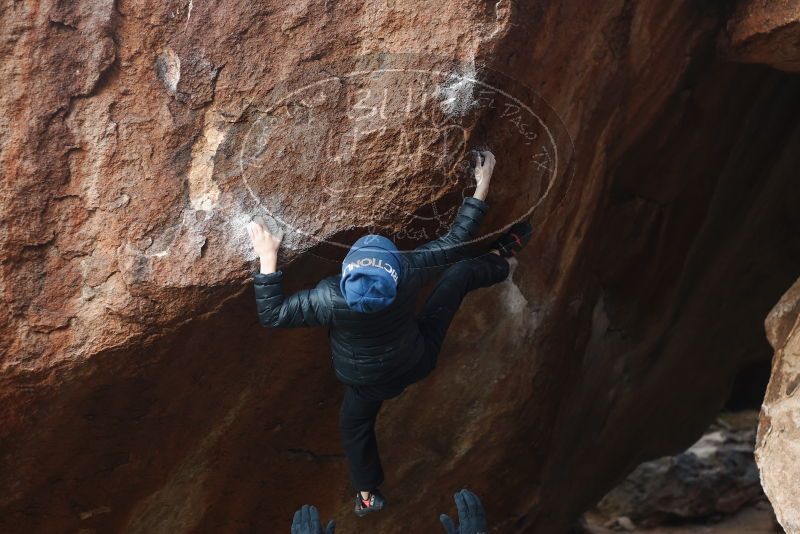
168, 69
238, 238
122, 201
457, 92
203, 190
526, 314
514, 300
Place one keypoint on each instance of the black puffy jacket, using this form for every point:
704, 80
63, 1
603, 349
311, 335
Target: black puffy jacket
371, 348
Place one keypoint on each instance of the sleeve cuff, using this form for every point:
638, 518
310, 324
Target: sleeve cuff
271, 278
477, 203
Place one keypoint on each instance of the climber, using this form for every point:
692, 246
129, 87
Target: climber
378, 344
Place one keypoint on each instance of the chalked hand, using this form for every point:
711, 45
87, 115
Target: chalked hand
265, 243
484, 167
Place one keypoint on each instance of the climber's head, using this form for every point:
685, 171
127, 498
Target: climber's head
370, 273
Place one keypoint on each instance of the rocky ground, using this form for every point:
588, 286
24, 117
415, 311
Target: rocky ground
712, 487
758, 518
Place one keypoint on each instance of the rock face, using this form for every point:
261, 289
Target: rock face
767, 32
715, 477
778, 444
137, 393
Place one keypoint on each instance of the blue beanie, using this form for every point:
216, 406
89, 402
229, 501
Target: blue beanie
370, 272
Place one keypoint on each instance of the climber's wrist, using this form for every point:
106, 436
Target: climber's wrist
269, 262
481, 192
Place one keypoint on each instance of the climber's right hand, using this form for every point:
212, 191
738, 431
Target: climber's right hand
306, 521
471, 516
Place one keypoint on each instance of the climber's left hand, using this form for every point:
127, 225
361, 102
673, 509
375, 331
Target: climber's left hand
265, 243
484, 167
306, 521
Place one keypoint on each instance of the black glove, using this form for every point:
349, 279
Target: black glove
471, 517
306, 521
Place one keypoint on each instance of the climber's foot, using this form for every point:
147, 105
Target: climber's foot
374, 503
508, 244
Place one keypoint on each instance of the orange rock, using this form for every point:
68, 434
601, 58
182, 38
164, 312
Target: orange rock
779, 429
135, 380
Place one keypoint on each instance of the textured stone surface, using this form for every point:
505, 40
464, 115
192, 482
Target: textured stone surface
137, 393
766, 32
715, 477
778, 446
758, 518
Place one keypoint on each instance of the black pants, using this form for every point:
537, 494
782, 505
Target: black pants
361, 404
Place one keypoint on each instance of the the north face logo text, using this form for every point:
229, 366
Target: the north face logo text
372, 262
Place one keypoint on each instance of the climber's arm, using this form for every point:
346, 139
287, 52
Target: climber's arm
451, 247
309, 307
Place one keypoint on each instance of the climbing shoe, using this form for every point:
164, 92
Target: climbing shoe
375, 503
512, 241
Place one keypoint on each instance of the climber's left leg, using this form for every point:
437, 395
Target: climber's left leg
458, 280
